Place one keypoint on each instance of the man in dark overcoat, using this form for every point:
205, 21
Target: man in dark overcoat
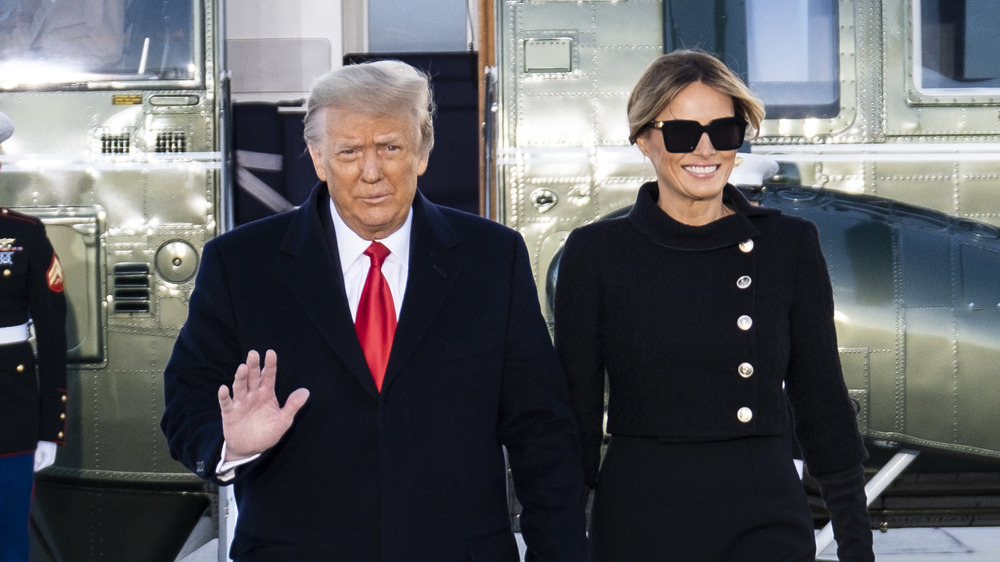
359, 432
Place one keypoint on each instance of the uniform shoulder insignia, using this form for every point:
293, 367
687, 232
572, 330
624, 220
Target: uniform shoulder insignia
55, 275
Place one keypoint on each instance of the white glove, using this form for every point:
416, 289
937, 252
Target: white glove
45, 455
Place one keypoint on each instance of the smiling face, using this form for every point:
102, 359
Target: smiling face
371, 164
690, 183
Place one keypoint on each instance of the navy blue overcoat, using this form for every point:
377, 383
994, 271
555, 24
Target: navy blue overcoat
417, 471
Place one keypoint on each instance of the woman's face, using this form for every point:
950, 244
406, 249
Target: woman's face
691, 181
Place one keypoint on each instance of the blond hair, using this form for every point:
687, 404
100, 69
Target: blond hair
385, 87
672, 72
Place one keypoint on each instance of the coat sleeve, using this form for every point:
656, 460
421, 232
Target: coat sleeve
825, 419
205, 356
47, 307
538, 429
578, 343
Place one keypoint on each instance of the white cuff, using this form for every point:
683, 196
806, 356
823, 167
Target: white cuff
226, 471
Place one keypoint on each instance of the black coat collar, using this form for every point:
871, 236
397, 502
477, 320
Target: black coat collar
647, 217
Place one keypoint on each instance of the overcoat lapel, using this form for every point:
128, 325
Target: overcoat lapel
433, 270
314, 278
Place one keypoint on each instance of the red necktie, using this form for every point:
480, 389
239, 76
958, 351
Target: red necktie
376, 319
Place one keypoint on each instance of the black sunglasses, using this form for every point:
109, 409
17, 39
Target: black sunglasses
681, 135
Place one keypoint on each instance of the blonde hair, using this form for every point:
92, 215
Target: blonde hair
672, 72
385, 87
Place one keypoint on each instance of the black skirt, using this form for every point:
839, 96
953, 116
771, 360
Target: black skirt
704, 501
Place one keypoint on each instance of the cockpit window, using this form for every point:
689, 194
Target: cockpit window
956, 49
88, 42
792, 57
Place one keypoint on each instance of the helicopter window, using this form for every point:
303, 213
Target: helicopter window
788, 51
81, 42
956, 47
792, 57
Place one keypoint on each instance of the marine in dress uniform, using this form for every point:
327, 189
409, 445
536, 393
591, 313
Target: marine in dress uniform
32, 392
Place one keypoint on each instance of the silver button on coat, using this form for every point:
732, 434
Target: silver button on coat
744, 322
744, 414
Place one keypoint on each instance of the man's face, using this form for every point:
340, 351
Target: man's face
371, 164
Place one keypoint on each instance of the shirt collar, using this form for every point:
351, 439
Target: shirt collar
351, 246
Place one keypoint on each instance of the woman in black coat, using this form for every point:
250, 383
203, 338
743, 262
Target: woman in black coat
699, 307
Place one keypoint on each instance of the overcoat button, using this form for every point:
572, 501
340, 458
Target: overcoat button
746, 246
745, 370
6, 273
743, 282
744, 322
744, 414
20, 368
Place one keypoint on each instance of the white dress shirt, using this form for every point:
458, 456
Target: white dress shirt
355, 263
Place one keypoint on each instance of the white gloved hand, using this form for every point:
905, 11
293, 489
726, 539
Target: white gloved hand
45, 455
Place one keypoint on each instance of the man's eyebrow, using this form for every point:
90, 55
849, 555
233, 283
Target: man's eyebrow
387, 138
340, 144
